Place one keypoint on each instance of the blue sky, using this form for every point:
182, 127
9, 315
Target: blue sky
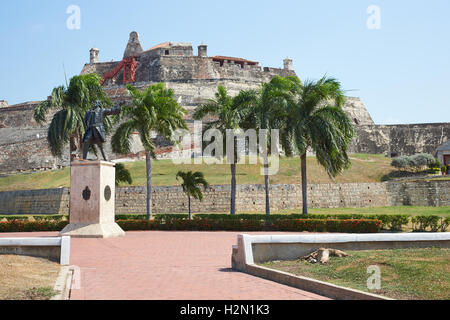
400, 71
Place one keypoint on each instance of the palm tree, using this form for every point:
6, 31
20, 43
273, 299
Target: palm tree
266, 111
228, 113
153, 110
316, 120
70, 103
191, 185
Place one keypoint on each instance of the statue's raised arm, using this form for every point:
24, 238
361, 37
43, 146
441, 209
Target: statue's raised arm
113, 111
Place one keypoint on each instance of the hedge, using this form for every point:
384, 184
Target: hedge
312, 225
391, 222
57, 217
31, 226
240, 222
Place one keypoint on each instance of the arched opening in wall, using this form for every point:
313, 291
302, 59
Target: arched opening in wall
356, 121
167, 52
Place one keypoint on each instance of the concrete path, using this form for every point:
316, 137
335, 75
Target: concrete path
167, 266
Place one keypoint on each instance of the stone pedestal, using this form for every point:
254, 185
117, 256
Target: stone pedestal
92, 201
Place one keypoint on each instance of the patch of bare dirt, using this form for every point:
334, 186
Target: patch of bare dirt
27, 278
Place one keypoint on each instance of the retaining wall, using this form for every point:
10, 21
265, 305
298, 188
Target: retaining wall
248, 198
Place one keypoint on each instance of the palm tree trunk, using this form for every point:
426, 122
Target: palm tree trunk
266, 184
80, 145
304, 184
189, 206
233, 189
148, 161
72, 147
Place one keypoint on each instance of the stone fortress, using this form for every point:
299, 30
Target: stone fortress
194, 78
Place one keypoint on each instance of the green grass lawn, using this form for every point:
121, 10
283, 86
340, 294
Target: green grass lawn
410, 210
365, 168
405, 273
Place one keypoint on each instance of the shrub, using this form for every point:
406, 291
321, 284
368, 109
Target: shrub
157, 217
11, 217
57, 217
417, 161
169, 217
433, 223
421, 223
445, 222
422, 160
130, 216
396, 222
401, 162
436, 164
385, 219
444, 169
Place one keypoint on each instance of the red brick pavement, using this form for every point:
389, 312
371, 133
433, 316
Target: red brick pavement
166, 266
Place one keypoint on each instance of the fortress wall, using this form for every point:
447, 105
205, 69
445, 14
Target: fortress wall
419, 193
249, 198
148, 66
19, 116
29, 155
414, 138
401, 139
186, 68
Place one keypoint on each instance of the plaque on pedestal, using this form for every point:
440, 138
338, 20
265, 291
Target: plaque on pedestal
92, 197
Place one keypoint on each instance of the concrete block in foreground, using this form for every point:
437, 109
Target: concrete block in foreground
53, 248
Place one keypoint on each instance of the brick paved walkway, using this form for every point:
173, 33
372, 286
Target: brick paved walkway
168, 265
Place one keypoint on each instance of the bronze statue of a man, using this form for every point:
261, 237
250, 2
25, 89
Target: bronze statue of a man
95, 130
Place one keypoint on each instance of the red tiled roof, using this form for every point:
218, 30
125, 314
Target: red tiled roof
161, 45
240, 60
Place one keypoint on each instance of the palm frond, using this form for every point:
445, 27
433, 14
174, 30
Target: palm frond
57, 136
120, 141
122, 174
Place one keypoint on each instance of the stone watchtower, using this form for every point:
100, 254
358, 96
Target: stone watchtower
288, 64
93, 57
134, 46
203, 50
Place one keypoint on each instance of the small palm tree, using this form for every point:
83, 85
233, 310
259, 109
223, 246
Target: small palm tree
316, 120
154, 110
228, 112
70, 103
191, 186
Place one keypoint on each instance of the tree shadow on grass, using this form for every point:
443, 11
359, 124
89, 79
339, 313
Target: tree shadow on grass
397, 174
